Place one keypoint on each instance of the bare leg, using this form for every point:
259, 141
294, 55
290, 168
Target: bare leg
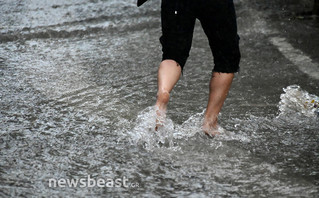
218, 89
169, 73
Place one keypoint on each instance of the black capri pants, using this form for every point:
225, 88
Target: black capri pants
218, 19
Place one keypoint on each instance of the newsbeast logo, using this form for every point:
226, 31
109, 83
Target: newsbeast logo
89, 182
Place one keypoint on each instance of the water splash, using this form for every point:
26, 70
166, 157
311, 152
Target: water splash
296, 101
296, 107
144, 132
168, 134
173, 136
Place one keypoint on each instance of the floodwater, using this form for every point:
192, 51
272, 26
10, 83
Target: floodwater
78, 85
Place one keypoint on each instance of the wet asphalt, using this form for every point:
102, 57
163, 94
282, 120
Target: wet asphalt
75, 75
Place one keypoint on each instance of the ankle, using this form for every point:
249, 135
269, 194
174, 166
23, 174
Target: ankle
162, 100
210, 121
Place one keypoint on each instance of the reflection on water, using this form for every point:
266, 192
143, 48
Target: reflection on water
78, 85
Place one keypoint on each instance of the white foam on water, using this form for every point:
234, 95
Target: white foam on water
296, 108
144, 132
296, 101
167, 136
297, 111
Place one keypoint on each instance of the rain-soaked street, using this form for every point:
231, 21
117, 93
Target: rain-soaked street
78, 88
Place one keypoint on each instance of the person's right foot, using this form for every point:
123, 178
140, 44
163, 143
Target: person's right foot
211, 131
210, 127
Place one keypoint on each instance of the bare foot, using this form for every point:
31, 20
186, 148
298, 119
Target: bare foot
210, 127
211, 132
160, 118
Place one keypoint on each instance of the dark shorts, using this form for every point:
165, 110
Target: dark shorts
218, 20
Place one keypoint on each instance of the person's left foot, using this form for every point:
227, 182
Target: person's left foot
160, 118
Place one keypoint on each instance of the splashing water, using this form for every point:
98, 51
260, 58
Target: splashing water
144, 132
297, 101
169, 134
295, 126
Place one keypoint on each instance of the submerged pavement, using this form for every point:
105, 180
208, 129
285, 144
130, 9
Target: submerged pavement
78, 82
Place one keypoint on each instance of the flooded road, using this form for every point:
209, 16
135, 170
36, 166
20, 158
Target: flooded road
78, 85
